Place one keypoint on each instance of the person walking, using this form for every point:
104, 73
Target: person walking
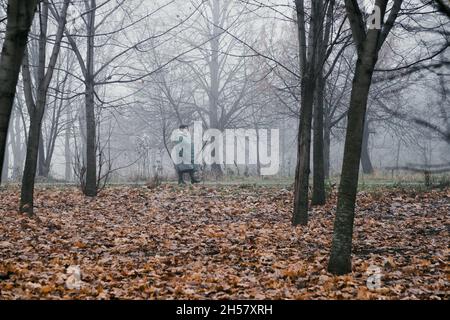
187, 154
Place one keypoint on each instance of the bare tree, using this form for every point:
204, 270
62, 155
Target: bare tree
368, 44
45, 74
308, 53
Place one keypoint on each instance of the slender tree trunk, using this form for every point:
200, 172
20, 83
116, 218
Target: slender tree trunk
67, 151
5, 170
67, 148
214, 66
20, 15
90, 188
17, 148
303, 157
340, 259
318, 196
397, 158
28, 92
258, 160
326, 150
47, 165
36, 114
40, 74
300, 215
29, 173
41, 158
365, 155
368, 44
34, 133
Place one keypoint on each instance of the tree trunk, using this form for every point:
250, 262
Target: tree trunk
340, 259
90, 187
29, 96
29, 173
300, 215
258, 160
283, 149
17, 149
365, 155
326, 150
36, 112
67, 152
34, 133
318, 196
303, 157
41, 158
368, 44
20, 15
214, 66
5, 170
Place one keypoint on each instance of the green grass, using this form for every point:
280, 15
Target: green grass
366, 182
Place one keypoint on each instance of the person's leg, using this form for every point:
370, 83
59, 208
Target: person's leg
180, 177
193, 178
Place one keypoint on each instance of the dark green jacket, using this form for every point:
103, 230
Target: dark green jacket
186, 166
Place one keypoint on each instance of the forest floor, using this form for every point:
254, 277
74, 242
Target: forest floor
208, 242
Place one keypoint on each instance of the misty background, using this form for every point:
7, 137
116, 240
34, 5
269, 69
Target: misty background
230, 64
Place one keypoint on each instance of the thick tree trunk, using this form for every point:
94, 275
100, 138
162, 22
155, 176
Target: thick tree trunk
318, 196
340, 259
365, 155
20, 15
